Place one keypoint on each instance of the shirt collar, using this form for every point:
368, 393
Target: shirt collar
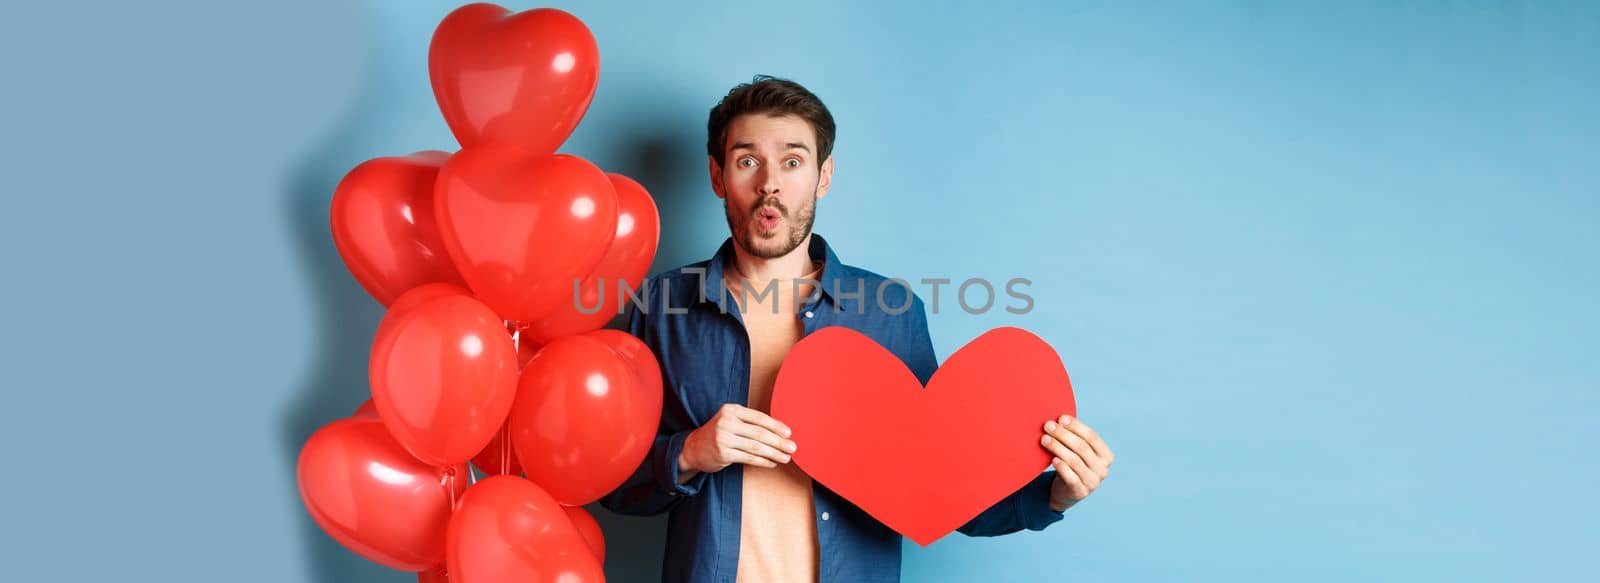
819, 250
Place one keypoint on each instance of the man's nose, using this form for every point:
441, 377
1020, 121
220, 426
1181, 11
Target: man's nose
768, 182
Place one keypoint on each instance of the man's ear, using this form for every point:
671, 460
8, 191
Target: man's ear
826, 179
715, 170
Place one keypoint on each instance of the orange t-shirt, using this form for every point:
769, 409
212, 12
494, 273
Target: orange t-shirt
778, 529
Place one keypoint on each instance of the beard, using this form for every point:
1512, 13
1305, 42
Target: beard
791, 232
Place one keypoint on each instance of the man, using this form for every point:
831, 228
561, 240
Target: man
721, 328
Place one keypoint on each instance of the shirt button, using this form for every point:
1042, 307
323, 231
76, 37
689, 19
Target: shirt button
824, 515
808, 315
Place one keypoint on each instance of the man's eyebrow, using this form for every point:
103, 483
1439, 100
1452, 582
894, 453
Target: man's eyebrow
752, 146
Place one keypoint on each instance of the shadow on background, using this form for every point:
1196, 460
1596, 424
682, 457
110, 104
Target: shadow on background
660, 151
346, 319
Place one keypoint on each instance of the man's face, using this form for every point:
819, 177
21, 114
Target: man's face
771, 182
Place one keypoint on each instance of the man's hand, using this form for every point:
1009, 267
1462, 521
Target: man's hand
736, 435
1082, 460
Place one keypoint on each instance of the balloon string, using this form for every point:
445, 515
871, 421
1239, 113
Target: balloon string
450, 482
505, 427
515, 329
505, 448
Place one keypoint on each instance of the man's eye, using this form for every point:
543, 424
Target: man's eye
747, 162
792, 162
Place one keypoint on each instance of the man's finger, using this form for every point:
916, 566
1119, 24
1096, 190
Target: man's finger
1089, 435
764, 435
1055, 447
1081, 447
750, 459
1075, 487
1086, 475
749, 415
763, 450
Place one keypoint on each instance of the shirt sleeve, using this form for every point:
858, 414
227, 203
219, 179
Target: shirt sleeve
653, 487
1025, 509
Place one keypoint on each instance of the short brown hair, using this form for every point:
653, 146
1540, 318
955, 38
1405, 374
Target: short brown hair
770, 95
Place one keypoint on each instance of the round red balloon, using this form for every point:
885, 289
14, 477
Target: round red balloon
443, 378
521, 229
423, 294
625, 264
415, 297
382, 219
524, 79
582, 421
369, 494
643, 362
509, 529
589, 528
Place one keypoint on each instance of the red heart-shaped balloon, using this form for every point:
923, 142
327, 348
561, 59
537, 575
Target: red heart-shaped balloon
443, 376
625, 263
510, 529
524, 79
374, 498
921, 461
382, 219
523, 228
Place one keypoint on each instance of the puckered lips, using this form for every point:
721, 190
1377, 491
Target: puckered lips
768, 217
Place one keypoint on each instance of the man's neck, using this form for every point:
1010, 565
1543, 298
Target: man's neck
794, 264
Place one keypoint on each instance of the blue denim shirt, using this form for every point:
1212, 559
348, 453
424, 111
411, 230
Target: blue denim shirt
697, 333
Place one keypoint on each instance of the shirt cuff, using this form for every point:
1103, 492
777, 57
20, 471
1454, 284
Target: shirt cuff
1035, 503
667, 469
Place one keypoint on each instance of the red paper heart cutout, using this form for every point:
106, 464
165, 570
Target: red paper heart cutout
524, 79
921, 461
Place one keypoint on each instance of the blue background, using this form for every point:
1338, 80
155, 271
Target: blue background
1323, 273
